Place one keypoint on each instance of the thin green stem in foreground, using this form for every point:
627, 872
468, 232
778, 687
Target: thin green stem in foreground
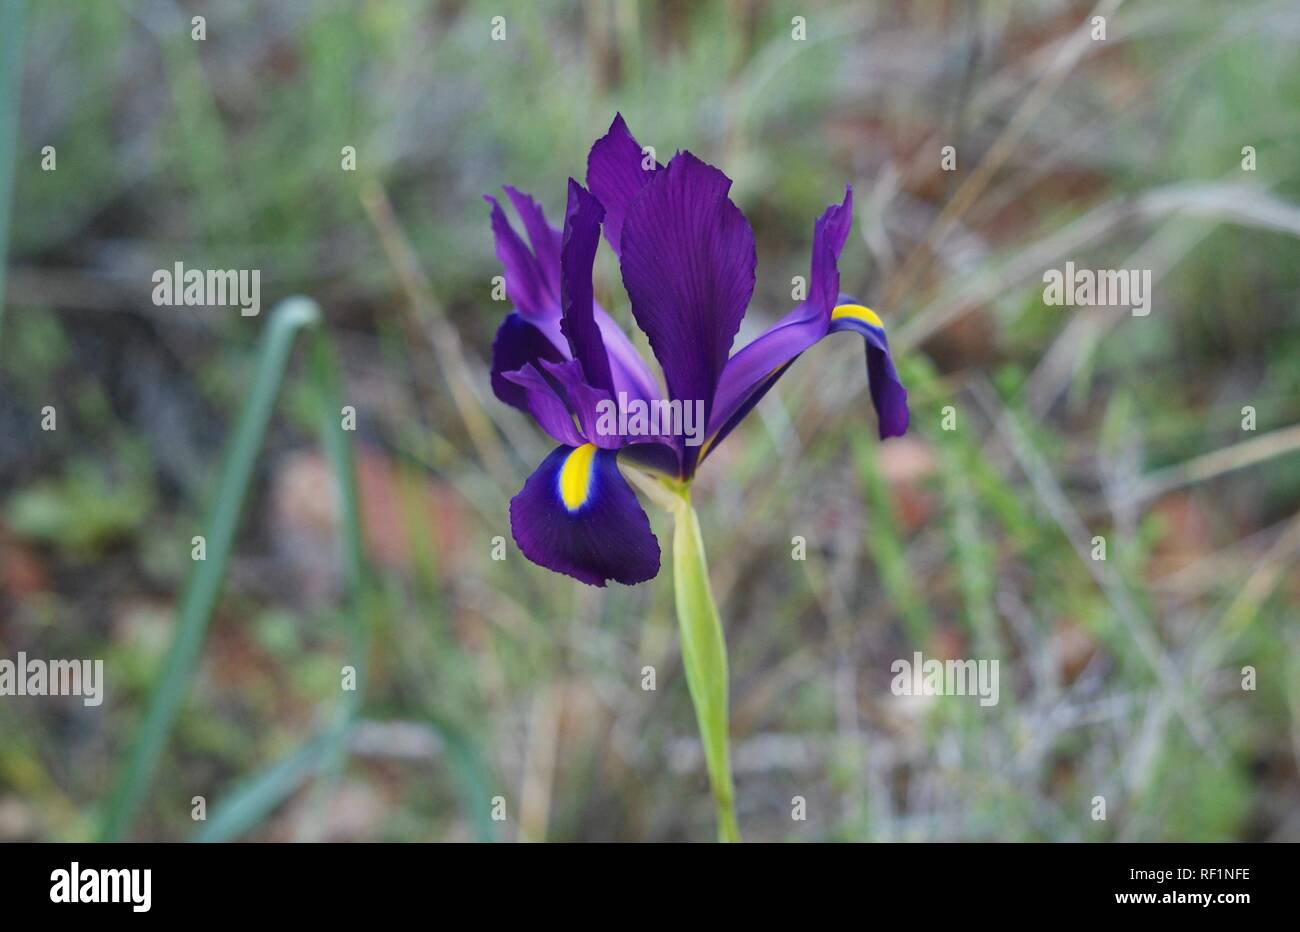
204, 586
704, 655
322, 756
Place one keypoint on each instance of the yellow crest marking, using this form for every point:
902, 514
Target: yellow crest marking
575, 476
858, 312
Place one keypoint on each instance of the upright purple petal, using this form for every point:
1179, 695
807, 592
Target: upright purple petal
533, 285
577, 515
616, 176
688, 265
526, 282
545, 239
829, 235
577, 303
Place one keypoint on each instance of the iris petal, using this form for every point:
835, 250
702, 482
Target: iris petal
583, 401
546, 402
830, 233
533, 284
527, 283
543, 237
578, 253
754, 369
616, 176
627, 366
688, 265
518, 343
577, 515
887, 391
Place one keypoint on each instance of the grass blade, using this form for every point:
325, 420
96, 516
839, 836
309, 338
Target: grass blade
471, 772
200, 596
252, 799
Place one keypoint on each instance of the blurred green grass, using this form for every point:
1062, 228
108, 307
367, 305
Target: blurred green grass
490, 676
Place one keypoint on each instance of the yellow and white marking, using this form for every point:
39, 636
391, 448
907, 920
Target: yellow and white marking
858, 312
576, 475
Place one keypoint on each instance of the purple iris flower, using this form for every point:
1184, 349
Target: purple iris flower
687, 258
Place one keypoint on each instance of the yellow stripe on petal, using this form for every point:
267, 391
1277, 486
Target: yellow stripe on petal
858, 312
575, 476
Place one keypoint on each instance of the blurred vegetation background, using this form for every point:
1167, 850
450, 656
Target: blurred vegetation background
1119, 678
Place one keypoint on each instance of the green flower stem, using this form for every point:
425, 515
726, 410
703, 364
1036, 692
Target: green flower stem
704, 654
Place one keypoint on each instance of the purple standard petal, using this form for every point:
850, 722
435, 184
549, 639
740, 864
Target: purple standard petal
577, 515
688, 265
578, 253
545, 239
518, 343
616, 176
887, 391
527, 284
830, 233
755, 369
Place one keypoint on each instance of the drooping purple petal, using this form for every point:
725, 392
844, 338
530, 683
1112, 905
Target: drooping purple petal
578, 253
888, 395
887, 391
615, 175
577, 515
688, 264
518, 343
